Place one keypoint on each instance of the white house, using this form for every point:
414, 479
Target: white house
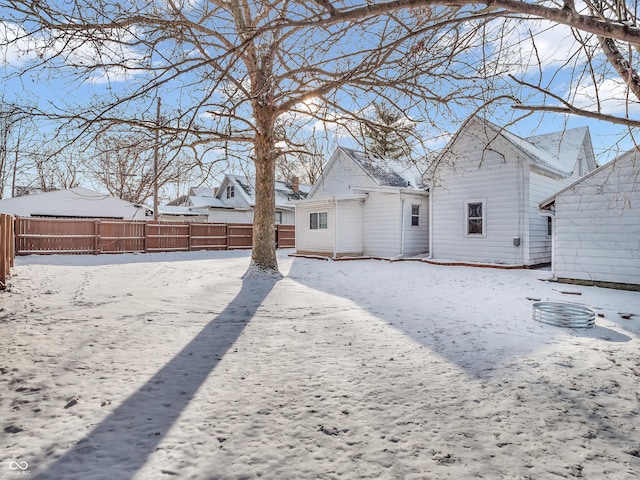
486, 186
363, 205
234, 200
76, 202
596, 224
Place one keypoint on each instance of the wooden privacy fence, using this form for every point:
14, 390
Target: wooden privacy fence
7, 252
51, 236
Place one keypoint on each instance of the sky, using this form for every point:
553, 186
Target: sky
55, 89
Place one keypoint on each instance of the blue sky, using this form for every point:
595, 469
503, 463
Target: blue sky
54, 89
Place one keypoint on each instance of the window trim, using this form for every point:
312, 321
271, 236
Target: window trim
415, 216
483, 218
549, 227
278, 218
318, 224
231, 191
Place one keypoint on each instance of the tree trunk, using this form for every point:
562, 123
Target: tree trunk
264, 243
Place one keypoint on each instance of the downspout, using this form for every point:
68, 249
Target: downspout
430, 200
402, 225
335, 228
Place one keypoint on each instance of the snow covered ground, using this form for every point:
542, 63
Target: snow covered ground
171, 366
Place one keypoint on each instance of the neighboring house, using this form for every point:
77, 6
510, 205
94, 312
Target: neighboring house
364, 205
596, 222
76, 202
486, 189
234, 200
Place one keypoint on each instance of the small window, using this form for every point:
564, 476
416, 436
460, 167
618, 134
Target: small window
549, 226
475, 218
278, 218
415, 215
318, 220
230, 191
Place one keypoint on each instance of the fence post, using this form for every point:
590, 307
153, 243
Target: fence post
5, 251
96, 237
145, 245
12, 240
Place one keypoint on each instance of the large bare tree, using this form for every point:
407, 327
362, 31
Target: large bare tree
253, 76
242, 74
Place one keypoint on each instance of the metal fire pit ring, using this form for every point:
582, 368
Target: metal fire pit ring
562, 314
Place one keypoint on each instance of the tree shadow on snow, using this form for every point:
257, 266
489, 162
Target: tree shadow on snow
121, 444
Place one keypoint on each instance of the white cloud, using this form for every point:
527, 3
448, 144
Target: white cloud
540, 45
111, 58
16, 46
613, 96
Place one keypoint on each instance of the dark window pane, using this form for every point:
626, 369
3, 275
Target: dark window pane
415, 209
313, 221
475, 210
475, 226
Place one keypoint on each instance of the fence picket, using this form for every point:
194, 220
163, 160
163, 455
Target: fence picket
77, 236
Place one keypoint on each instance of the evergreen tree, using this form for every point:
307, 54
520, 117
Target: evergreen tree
389, 133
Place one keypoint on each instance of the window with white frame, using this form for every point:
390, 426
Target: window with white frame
318, 220
549, 226
475, 217
415, 215
230, 191
278, 218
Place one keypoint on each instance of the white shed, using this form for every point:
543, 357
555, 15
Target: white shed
597, 226
76, 202
486, 187
364, 205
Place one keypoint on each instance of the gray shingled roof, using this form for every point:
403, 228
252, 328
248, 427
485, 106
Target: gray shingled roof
386, 172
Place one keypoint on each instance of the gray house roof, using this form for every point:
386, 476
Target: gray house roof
283, 190
556, 152
386, 172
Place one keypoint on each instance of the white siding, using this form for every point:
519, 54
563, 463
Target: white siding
416, 238
598, 226
350, 227
498, 179
539, 242
316, 241
382, 214
288, 216
341, 175
223, 215
542, 187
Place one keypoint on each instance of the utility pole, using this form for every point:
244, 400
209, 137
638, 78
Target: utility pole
155, 164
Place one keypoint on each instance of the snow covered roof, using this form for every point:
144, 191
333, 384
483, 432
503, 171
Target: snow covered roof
202, 192
386, 172
76, 202
174, 210
557, 152
283, 190
205, 201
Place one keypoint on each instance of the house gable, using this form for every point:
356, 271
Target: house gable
506, 177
